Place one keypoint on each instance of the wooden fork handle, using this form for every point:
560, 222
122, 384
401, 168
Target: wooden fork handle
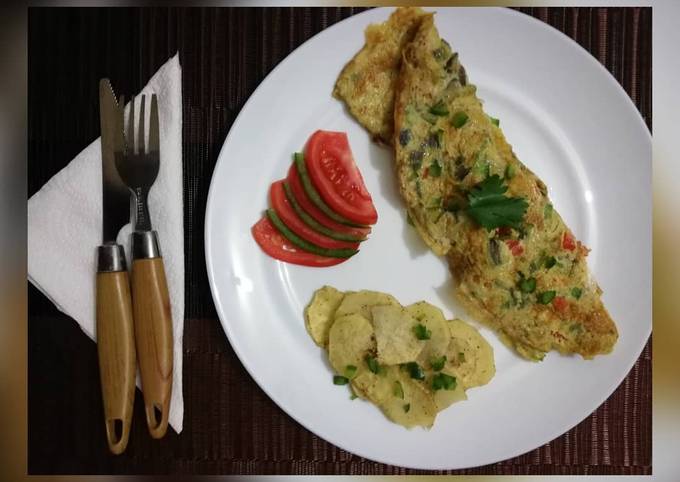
153, 335
116, 349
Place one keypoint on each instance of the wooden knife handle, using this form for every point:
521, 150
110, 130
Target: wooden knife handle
153, 335
116, 348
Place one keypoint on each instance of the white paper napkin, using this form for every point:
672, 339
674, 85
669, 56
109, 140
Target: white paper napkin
64, 226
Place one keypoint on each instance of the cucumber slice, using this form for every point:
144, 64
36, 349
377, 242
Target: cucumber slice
306, 245
313, 223
315, 197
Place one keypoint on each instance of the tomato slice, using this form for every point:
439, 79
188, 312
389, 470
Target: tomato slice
277, 197
277, 246
337, 178
310, 208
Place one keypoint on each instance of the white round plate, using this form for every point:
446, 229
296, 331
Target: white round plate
567, 119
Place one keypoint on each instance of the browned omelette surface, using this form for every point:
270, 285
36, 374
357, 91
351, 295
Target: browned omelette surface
367, 83
530, 282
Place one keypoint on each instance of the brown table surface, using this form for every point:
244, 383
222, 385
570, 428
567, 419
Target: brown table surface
230, 425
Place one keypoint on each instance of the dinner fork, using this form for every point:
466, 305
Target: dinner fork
138, 169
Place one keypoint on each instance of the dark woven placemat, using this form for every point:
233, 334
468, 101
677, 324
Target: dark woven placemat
230, 425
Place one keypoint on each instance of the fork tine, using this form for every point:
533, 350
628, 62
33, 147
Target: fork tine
153, 125
140, 137
130, 128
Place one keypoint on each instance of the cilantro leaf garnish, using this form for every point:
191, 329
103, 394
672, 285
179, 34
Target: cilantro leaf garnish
491, 208
443, 381
373, 364
421, 332
438, 363
415, 370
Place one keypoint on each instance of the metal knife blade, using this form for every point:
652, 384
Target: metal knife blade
115, 194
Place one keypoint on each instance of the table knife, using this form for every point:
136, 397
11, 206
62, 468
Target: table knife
115, 330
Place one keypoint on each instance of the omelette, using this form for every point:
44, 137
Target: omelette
517, 267
367, 83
